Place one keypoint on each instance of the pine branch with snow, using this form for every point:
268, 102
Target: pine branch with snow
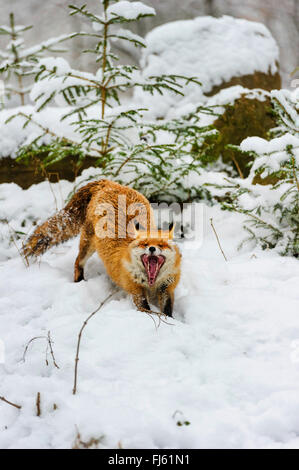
286, 109
270, 194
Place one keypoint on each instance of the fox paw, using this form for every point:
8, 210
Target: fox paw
79, 274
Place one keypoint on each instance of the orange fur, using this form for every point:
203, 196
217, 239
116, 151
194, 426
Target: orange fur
88, 212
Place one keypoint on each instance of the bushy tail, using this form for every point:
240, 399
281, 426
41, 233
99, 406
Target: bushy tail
63, 225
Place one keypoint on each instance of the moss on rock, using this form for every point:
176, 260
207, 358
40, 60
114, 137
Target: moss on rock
266, 81
12, 171
245, 118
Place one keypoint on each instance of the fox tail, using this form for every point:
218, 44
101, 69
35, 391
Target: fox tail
62, 226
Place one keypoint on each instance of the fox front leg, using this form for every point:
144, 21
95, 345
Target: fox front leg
166, 299
141, 302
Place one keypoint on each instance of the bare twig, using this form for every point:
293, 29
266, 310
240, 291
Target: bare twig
237, 166
148, 312
80, 335
93, 442
10, 403
47, 177
56, 174
159, 315
49, 346
38, 410
51, 350
28, 344
24, 259
212, 225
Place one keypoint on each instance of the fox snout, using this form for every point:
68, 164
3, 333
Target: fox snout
153, 250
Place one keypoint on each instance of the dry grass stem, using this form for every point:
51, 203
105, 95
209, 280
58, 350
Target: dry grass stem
38, 410
218, 241
10, 403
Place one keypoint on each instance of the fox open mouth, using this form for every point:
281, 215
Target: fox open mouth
152, 266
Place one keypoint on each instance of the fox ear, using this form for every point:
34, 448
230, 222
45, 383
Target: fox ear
171, 229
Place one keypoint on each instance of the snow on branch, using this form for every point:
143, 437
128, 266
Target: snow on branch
130, 11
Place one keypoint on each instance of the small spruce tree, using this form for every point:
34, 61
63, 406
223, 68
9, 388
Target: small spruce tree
270, 194
107, 125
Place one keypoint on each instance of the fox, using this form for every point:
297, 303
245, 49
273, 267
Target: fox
117, 222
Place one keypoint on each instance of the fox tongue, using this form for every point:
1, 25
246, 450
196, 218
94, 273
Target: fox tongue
152, 269
152, 265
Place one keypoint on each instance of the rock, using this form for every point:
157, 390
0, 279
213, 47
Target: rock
12, 171
244, 118
265, 81
219, 52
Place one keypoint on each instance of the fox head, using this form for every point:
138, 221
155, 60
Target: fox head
154, 257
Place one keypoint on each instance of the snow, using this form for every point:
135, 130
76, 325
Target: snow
25, 54
61, 65
126, 34
272, 153
13, 135
129, 10
46, 45
259, 145
231, 94
288, 100
53, 85
226, 362
211, 49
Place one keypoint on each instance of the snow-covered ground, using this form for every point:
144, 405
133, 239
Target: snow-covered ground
226, 364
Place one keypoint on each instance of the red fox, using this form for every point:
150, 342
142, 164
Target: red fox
142, 260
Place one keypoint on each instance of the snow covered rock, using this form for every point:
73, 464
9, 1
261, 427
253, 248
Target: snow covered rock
219, 52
